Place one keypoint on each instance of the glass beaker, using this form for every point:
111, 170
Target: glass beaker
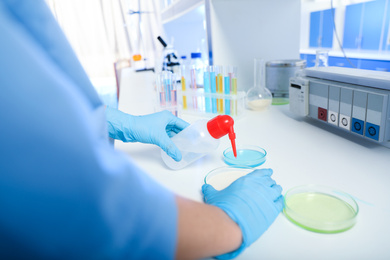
259, 97
322, 58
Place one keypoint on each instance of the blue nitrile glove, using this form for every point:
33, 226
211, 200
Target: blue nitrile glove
252, 201
155, 129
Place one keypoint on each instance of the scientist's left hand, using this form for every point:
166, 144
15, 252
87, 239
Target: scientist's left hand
252, 201
155, 129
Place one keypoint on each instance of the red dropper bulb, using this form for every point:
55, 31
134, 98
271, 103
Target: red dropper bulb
220, 126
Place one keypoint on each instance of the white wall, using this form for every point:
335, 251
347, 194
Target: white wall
244, 29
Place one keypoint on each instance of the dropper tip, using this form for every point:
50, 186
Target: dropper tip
234, 148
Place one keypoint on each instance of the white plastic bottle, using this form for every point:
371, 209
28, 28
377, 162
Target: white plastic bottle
199, 139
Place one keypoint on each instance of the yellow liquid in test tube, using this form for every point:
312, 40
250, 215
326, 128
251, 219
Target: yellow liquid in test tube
220, 91
183, 88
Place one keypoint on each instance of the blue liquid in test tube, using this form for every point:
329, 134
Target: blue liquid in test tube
213, 86
227, 92
168, 88
207, 90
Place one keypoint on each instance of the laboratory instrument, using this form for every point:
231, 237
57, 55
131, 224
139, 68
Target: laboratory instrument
278, 74
169, 59
259, 97
353, 100
247, 155
222, 177
320, 209
200, 139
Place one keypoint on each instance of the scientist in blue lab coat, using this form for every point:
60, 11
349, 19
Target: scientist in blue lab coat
66, 193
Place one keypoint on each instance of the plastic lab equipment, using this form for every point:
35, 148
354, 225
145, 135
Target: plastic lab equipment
247, 155
199, 139
259, 97
320, 209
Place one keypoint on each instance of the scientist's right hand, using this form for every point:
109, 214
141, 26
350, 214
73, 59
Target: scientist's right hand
154, 128
252, 201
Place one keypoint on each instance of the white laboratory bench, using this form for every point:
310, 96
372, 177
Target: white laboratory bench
300, 151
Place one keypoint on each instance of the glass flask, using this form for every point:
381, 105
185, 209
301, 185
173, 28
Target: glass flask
322, 58
259, 97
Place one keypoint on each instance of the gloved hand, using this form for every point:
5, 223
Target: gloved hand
155, 129
252, 201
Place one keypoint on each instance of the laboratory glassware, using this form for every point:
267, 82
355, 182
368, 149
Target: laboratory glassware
166, 85
199, 139
197, 67
320, 209
322, 58
222, 177
259, 97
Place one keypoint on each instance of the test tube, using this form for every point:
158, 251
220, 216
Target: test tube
194, 87
233, 90
213, 88
183, 70
219, 73
173, 95
167, 91
161, 90
207, 89
227, 89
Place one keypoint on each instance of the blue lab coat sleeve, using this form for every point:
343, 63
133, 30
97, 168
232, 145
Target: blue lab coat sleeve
65, 193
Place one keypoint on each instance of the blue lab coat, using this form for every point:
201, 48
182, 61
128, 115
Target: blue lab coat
64, 191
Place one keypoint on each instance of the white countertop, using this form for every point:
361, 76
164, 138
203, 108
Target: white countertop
300, 151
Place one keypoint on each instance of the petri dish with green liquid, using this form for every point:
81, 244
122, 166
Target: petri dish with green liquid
320, 209
247, 155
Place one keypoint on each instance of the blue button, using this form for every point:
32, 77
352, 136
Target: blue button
372, 131
357, 126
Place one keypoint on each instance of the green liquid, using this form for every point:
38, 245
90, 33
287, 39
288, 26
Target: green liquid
320, 212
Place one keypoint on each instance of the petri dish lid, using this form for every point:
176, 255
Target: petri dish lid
320, 209
247, 155
222, 177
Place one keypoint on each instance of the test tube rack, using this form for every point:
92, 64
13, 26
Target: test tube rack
199, 102
210, 91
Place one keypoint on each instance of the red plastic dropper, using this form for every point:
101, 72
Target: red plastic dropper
220, 126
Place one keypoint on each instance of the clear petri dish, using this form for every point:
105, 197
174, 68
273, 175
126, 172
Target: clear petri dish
320, 209
247, 155
222, 177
